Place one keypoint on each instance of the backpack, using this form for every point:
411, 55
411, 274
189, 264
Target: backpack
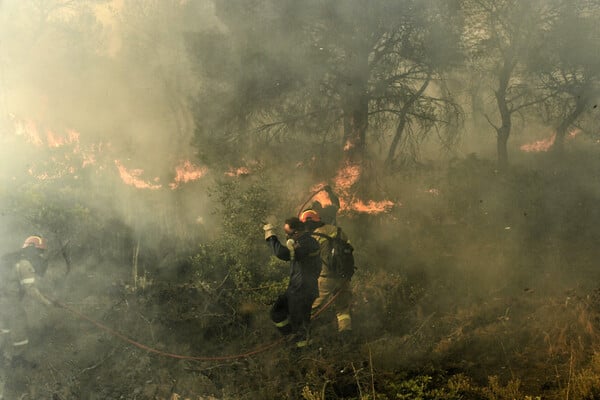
341, 258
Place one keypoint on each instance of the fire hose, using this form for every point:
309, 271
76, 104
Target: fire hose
147, 348
309, 199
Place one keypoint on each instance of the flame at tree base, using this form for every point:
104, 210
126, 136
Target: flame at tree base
544, 145
343, 182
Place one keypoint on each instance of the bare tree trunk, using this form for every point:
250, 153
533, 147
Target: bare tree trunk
502, 148
402, 122
562, 129
356, 106
134, 265
503, 131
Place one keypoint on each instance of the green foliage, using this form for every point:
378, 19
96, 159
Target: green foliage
423, 387
63, 210
496, 391
238, 257
49, 208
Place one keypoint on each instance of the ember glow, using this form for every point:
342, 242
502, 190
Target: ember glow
89, 157
240, 171
132, 178
187, 172
60, 173
573, 134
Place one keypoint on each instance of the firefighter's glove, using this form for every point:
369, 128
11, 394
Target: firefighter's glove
269, 231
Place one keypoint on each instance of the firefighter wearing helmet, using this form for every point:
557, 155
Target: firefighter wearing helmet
330, 282
291, 311
18, 281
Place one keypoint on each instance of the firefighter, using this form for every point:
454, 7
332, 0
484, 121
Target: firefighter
291, 311
18, 282
330, 282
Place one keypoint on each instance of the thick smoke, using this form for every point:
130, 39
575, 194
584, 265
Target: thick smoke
116, 73
133, 89
120, 74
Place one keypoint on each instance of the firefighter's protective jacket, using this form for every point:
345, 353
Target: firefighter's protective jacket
18, 273
325, 246
18, 278
305, 262
331, 283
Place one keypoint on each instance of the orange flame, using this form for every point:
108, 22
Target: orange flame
240, 171
59, 164
546, 144
29, 131
573, 133
82, 156
57, 141
347, 176
187, 172
131, 177
539, 145
372, 207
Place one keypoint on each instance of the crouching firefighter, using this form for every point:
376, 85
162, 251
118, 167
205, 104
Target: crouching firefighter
18, 282
291, 311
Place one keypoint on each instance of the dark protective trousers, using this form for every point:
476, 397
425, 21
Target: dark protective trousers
291, 313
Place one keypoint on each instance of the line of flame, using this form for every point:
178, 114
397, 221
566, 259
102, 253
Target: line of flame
131, 177
539, 145
187, 172
345, 178
546, 144
371, 206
